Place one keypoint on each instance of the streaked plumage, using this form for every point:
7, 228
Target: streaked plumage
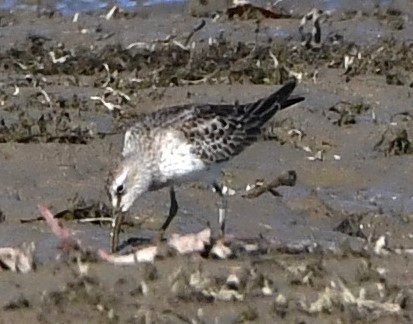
189, 142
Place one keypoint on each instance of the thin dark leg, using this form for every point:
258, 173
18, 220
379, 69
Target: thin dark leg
222, 211
173, 209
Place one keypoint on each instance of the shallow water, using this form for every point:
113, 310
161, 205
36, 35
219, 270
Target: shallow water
69, 7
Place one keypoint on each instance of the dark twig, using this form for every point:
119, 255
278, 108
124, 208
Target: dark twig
288, 178
192, 33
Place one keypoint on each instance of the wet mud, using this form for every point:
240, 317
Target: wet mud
341, 237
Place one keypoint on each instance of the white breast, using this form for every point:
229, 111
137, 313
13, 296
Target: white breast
176, 161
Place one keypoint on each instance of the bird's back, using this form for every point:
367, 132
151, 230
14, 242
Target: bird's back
215, 132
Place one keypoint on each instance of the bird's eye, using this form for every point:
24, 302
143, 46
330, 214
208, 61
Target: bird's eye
120, 189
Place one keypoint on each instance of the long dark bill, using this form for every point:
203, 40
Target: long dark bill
117, 219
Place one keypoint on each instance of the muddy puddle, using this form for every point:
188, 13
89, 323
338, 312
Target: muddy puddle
335, 247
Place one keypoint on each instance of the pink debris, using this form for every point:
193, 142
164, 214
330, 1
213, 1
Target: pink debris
183, 244
64, 234
146, 254
190, 243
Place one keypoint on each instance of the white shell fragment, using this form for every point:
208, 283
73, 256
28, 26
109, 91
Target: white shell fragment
18, 259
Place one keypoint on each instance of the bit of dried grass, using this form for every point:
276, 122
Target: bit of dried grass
340, 296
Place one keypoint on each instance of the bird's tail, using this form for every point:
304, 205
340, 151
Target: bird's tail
258, 113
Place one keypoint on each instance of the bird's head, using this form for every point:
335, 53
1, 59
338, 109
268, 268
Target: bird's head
127, 181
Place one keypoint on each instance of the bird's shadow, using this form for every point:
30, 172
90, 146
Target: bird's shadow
135, 242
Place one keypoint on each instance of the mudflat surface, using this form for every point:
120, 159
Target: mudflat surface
349, 143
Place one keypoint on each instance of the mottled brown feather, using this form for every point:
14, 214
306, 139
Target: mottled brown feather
217, 132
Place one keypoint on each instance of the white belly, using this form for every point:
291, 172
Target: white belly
178, 164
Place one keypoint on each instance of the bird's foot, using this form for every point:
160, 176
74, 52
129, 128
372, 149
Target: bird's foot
159, 237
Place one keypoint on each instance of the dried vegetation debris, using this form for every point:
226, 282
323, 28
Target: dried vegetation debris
393, 17
17, 303
237, 283
386, 57
394, 141
81, 297
286, 131
352, 226
122, 70
54, 127
206, 288
169, 62
338, 295
245, 10
81, 211
282, 131
347, 112
232, 284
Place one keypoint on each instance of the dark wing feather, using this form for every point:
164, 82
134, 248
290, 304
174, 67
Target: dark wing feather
220, 132
216, 132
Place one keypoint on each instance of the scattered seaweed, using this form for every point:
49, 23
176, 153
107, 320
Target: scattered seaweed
347, 112
53, 127
83, 292
250, 11
283, 131
18, 303
351, 226
82, 211
394, 141
169, 62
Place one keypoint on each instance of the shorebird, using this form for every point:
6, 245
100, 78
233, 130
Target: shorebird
187, 143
